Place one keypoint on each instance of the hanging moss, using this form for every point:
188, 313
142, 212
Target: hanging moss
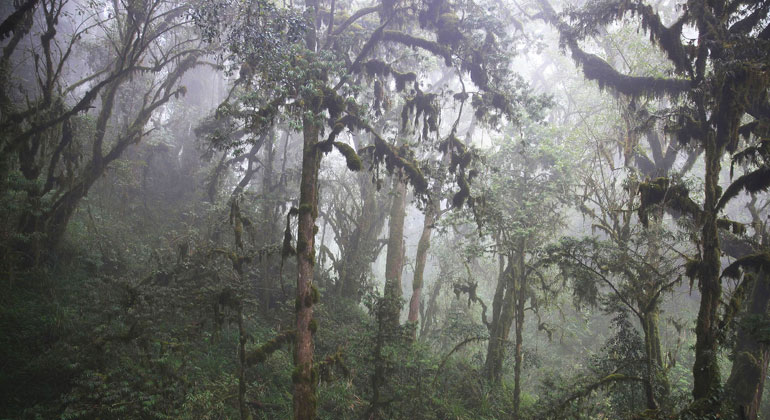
333, 103
753, 182
403, 78
377, 68
753, 262
461, 196
692, 268
330, 362
448, 30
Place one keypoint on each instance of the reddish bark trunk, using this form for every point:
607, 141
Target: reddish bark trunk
304, 377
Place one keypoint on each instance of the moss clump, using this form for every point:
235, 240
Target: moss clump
313, 326
352, 159
315, 295
305, 208
448, 30
296, 375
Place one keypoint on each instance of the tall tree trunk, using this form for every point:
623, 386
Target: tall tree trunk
431, 308
363, 244
304, 372
521, 289
394, 262
502, 318
706, 376
747, 377
653, 360
242, 407
268, 222
419, 267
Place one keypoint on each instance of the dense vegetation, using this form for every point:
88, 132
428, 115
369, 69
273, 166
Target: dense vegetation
430, 209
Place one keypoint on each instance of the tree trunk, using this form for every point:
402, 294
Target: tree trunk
242, 408
395, 258
502, 319
431, 308
363, 244
520, 299
268, 222
304, 376
653, 360
521, 294
706, 376
419, 268
747, 377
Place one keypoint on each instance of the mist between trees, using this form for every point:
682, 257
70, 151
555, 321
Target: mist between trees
428, 209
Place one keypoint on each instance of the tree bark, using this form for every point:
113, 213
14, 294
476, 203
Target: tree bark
304, 376
394, 263
747, 377
502, 319
419, 267
706, 375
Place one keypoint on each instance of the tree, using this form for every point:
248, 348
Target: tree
519, 211
718, 81
138, 54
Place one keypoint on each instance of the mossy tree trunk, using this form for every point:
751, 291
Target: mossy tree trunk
502, 319
521, 295
706, 375
419, 266
747, 377
304, 377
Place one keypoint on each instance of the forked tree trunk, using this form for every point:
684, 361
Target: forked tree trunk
419, 266
502, 318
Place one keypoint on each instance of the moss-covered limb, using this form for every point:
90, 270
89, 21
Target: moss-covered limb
354, 17
417, 42
756, 154
457, 347
383, 153
600, 383
753, 262
750, 21
260, 354
16, 20
753, 182
595, 68
351, 157
668, 39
